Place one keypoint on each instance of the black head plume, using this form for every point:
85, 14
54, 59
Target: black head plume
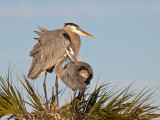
72, 24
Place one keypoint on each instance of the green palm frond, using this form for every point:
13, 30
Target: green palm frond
103, 103
11, 101
125, 105
33, 97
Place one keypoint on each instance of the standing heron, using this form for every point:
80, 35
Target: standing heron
50, 47
77, 77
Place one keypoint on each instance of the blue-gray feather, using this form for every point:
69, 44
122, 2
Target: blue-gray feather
71, 75
51, 46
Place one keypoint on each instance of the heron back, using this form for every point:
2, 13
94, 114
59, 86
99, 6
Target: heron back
51, 46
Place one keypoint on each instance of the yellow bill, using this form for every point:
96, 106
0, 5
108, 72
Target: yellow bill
70, 53
74, 59
82, 32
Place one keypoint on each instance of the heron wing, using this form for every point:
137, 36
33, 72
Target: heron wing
71, 77
68, 76
51, 46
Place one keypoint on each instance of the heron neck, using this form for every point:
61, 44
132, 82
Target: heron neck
75, 41
58, 67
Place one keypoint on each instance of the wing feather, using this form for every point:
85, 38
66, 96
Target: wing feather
51, 46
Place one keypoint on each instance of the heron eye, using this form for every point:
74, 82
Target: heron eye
77, 28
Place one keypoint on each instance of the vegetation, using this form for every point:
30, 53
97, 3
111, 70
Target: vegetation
103, 103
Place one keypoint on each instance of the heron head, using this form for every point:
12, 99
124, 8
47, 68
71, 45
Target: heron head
70, 53
76, 29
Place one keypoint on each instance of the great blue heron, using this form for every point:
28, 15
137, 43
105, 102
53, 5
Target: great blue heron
77, 77
50, 47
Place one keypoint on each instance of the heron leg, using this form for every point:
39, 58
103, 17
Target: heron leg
56, 85
83, 101
74, 93
44, 86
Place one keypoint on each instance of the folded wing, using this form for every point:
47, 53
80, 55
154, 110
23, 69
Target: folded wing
50, 47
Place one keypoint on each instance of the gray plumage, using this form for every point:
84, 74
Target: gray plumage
77, 77
51, 46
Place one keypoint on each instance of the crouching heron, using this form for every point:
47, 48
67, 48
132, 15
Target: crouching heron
50, 47
76, 76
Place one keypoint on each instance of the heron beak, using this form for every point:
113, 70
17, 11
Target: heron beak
74, 59
82, 32
70, 53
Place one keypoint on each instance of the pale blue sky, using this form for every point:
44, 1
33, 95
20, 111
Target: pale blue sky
127, 45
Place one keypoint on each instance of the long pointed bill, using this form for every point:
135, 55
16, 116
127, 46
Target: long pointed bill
70, 53
82, 32
74, 59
